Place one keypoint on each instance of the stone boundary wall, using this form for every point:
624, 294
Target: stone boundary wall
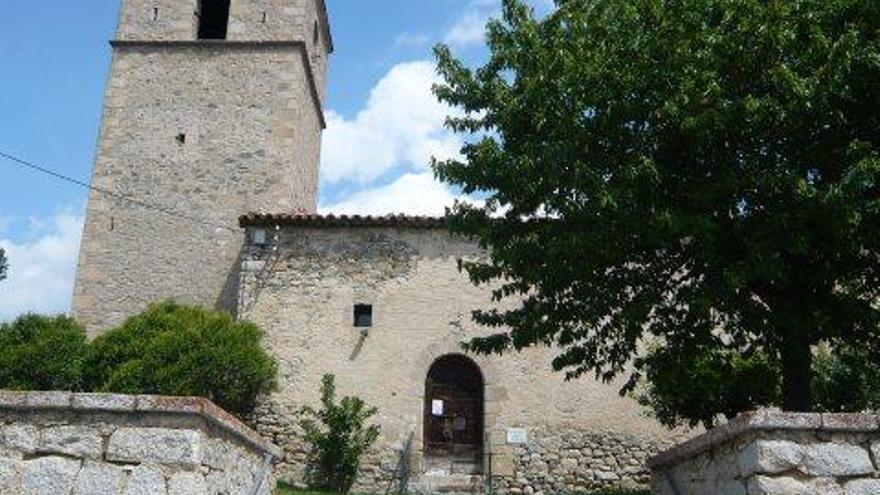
569, 460
554, 460
773, 453
59, 443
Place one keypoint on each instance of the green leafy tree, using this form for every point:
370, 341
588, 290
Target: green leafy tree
696, 386
339, 437
171, 349
847, 380
4, 265
704, 171
725, 382
42, 353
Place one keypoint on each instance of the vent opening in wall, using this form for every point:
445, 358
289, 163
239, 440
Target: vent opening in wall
213, 19
363, 315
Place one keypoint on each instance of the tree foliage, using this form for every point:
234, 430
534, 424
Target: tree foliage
696, 386
847, 380
171, 349
699, 386
339, 436
42, 353
703, 171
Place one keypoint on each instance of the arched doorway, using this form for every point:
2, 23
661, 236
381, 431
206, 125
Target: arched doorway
453, 420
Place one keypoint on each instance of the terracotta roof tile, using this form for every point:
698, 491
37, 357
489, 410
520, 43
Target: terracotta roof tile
330, 221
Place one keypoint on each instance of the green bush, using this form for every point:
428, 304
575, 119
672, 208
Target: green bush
695, 386
846, 380
338, 436
42, 353
171, 349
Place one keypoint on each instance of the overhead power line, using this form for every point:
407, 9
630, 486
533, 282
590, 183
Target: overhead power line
122, 197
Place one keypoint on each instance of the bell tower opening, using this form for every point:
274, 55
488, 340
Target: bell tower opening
213, 19
453, 421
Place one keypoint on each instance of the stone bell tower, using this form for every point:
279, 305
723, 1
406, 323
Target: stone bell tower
213, 109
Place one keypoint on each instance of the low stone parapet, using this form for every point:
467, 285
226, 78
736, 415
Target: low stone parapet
97, 444
774, 453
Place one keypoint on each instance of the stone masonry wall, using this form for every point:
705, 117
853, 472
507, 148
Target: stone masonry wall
300, 288
774, 453
249, 20
92, 444
568, 460
206, 130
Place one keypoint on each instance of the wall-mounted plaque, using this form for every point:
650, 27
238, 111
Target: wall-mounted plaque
517, 435
437, 407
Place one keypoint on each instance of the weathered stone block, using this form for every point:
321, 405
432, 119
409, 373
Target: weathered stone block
187, 483
19, 437
10, 476
76, 441
862, 487
732, 487
155, 445
765, 485
769, 457
833, 459
49, 476
146, 480
105, 402
875, 451
99, 479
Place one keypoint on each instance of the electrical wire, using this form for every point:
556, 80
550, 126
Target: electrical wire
143, 204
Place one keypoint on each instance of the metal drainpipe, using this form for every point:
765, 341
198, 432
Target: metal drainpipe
264, 473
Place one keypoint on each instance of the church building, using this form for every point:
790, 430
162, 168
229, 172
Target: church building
214, 110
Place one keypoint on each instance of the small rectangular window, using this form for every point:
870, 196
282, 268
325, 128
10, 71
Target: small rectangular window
363, 315
213, 19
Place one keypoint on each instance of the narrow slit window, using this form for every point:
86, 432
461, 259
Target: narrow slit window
213, 19
363, 315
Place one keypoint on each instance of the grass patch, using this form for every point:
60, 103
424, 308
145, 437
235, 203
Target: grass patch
285, 489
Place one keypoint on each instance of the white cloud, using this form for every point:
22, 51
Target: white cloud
412, 194
469, 29
41, 271
401, 126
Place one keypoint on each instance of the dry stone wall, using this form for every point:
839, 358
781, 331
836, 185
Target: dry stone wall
571, 460
93, 444
774, 453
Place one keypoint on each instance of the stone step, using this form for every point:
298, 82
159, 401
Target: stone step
447, 484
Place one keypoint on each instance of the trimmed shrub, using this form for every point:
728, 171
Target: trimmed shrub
171, 349
42, 353
338, 436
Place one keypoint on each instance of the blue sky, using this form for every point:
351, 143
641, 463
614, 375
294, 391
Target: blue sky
384, 124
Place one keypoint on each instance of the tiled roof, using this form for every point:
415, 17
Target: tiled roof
329, 221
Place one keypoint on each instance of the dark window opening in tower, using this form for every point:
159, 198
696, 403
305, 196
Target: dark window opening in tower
213, 19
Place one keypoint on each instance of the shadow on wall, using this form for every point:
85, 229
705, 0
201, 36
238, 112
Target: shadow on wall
228, 298
403, 470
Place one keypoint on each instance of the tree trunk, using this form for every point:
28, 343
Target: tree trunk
797, 363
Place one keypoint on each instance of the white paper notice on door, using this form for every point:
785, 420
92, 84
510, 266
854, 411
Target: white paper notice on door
437, 407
